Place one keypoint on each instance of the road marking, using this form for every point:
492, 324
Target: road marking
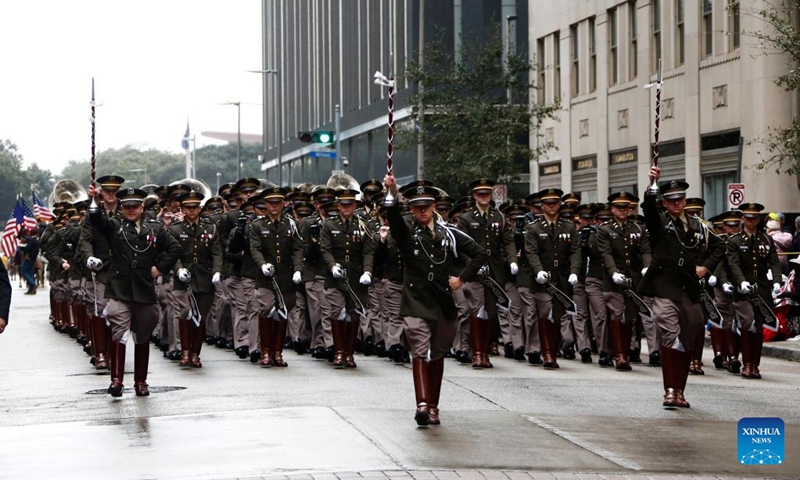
611, 457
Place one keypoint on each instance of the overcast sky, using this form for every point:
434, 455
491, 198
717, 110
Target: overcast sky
155, 63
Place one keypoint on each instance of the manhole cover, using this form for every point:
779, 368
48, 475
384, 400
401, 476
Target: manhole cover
153, 389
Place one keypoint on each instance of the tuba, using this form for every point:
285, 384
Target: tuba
196, 185
67, 191
340, 181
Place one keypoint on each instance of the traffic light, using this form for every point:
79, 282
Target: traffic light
316, 137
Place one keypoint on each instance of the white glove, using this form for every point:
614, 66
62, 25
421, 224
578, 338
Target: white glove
484, 270
337, 271
267, 269
573, 279
94, 264
514, 268
712, 281
216, 279
619, 278
297, 277
745, 288
365, 279
776, 289
727, 288
184, 275
542, 277
769, 275
644, 270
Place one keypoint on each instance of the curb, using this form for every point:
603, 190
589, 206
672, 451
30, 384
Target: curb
774, 350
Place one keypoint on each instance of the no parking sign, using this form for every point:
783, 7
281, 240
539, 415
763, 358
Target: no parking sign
735, 195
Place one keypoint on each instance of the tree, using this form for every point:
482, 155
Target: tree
165, 167
782, 144
468, 129
14, 180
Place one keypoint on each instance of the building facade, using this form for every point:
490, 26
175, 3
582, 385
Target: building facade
322, 53
718, 97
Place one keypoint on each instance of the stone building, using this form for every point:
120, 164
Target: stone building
718, 97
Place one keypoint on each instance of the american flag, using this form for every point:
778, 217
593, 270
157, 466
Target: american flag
21, 216
40, 210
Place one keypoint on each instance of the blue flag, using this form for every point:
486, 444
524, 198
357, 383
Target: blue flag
185, 141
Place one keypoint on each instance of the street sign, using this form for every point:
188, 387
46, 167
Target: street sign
735, 195
322, 154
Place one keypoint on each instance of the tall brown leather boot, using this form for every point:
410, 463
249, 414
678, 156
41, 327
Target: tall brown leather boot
546, 343
681, 375
69, 320
117, 369
351, 338
141, 360
265, 334
669, 365
421, 377
732, 347
621, 345
747, 355
555, 339
339, 331
196, 338
52, 296
489, 337
185, 334
279, 334
100, 335
696, 354
756, 347
718, 346
476, 341
435, 373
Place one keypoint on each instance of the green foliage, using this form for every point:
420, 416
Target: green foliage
165, 167
781, 144
14, 180
469, 130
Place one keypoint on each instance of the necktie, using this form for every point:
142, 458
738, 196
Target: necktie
553, 230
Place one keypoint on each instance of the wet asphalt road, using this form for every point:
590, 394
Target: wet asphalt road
232, 419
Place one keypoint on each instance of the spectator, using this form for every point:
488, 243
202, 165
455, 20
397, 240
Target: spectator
5, 296
29, 245
783, 243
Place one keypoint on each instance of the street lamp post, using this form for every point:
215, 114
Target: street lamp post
219, 175
278, 117
140, 170
238, 138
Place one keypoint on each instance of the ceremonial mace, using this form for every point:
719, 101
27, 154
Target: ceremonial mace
384, 81
92, 164
653, 188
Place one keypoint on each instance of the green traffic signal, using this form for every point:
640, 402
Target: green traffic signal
316, 137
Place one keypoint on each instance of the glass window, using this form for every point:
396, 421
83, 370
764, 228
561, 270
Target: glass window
715, 192
542, 74
592, 56
733, 27
557, 62
576, 81
633, 63
679, 29
656, 5
612, 45
708, 28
